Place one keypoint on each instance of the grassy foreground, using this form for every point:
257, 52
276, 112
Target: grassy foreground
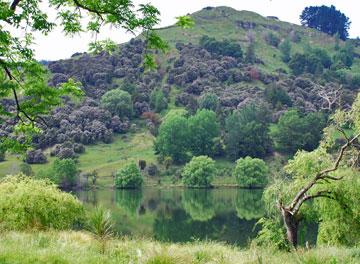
79, 247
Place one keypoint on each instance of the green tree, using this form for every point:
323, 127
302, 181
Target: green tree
129, 177
277, 96
118, 102
247, 133
64, 172
26, 80
285, 48
199, 172
251, 172
173, 137
326, 19
294, 132
329, 177
158, 101
209, 101
203, 128
37, 204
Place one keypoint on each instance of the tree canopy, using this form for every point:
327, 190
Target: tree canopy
326, 19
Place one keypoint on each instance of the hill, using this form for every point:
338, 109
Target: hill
239, 61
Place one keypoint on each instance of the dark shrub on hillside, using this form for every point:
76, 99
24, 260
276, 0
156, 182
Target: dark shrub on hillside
277, 96
272, 39
79, 148
209, 101
66, 153
35, 157
225, 47
152, 170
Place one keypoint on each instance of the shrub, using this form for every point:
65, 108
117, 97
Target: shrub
158, 101
285, 48
225, 47
35, 157
64, 172
199, 172
272, 39
152, 170
209, 101
26, 203
26, 169
128, 177
118, 102
251, 172
2, 155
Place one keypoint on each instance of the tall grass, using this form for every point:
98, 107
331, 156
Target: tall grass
78, 247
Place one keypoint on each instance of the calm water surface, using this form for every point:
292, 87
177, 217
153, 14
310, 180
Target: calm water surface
181, 215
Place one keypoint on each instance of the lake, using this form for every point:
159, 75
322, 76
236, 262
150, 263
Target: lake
182, 215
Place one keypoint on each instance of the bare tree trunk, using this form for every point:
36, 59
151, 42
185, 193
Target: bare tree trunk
291, 225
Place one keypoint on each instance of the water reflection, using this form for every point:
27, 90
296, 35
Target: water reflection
181, 215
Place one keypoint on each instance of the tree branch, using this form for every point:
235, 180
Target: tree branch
322, 175
14, 4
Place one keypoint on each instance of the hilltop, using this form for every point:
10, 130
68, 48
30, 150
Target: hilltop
104, 141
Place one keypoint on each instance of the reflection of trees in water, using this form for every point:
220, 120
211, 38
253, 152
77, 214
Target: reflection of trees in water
180, 227
249, 204
199, 204
128, 200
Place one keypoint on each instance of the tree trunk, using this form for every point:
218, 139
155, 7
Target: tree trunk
291, 224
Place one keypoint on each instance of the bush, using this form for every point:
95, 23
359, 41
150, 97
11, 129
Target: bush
225, 48
64, 173
285, 48
272, 39
128, 177
251, 172
26, 203
118, 102
26, 169
35, 157
199, 172
294, 131
158, 101
152, 170
209, 101
2, 155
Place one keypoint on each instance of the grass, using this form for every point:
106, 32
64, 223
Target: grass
79, 247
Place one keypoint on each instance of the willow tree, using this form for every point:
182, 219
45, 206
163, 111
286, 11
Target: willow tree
24, 81
323, 184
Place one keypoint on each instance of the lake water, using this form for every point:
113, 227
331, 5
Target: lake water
181, 215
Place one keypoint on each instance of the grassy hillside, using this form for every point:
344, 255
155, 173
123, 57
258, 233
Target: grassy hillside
76, 247
228, 23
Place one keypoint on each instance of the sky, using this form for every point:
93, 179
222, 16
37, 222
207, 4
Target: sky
57, 46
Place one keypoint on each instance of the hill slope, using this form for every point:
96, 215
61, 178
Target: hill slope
185, 74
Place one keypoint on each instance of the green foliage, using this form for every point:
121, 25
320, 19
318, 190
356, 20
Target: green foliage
158, 101
209, 101
294, 132
344, 58
199, 204
173, 138
340, 218
118, 102
128, 177
2, 155
64, 172
26, 169
250, 56
272, 39
26, 203
247, 133
225, 47
199, 172
326, 19
203, 128
185, 22
271, 235
313, 61
251, 172
277, 96
100, 225
285, 48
